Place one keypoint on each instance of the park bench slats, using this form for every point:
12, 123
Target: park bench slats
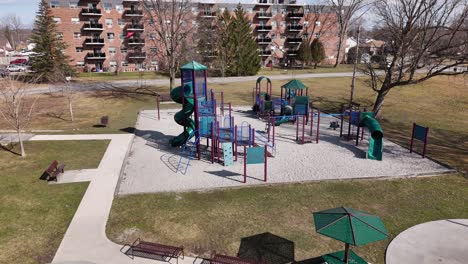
154, 251
53, 171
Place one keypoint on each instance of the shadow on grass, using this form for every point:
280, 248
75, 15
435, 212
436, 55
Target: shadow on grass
9, 148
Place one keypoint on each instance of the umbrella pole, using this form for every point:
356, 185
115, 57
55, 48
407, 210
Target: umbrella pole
346, 256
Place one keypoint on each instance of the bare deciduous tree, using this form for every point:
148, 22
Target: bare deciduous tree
16, 107
166, 22
12, 27
345, 10
425, 39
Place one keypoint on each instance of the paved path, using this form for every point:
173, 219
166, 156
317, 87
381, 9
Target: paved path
443, 241
85, 240
160, 82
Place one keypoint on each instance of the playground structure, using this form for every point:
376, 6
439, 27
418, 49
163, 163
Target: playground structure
292, 101
202, 118
419, 133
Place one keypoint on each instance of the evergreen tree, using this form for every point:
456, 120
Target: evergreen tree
246, 60
304, 53
49, 47
225, 45
318, 52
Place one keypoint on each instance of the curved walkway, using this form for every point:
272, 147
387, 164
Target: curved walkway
85, 240
443, 241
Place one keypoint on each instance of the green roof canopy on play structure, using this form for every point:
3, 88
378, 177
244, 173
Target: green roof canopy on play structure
293, 88
194, 66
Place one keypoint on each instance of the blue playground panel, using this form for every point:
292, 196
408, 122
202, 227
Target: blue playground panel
228, 154
420, 132
300, 109
256, 155
205, 125
354, 118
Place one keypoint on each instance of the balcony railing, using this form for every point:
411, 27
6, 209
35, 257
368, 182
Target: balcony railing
263, 15
262, 2
96, 56
292, 52
133, 1
137, 55
291, 2
135, 27
91, 12
208, 14
295, 27
136, 41
95, 41
263, 28
295, 15
264, 53
293, 40
263, 40
93, 26
133, 13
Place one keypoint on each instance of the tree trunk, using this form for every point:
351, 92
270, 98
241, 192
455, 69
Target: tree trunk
379, 100
315, 65
70, 106
338, 53
23, 153
171, 82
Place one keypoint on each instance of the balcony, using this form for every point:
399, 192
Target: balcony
263, 15
208, 14
91, 12
135, 27
136, 41
264, 53
94, 41
96, 56
133, 13
137, 55
294, 28
295, 15
292, 52
93, 27
263, 28
132, 1
291, 2
263, 40
262, 2
293, 40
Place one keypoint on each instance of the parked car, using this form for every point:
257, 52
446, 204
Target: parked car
15, 68
19, 61
4, 73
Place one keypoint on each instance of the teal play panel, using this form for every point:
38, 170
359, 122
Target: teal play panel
420, 132
256, 155
228, 154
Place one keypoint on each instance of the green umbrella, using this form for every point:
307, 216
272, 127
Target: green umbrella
350, 226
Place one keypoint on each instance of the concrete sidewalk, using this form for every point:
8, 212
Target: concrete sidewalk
85, 240
443, 241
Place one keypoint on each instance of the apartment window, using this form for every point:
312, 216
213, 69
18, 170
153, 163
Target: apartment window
282, 36
113, 63
79, 49
109, 22
305, 36
76, 35
283, 10
122, 36
57, 20
274, 12
111, 50
168, 22
153, 36
119, 8
154, 63
273, 24
123, 50
124, 63
110, 36
153, 50
317, 35
306, 23
107, 7
60, 34
75, 20
80, 63
317, 23
283, 24
55, 4
73, 5
194, 10
273, 36
120, 22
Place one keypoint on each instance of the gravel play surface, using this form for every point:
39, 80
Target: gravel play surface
152, 162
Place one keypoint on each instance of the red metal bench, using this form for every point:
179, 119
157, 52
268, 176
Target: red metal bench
152, 250
53, 171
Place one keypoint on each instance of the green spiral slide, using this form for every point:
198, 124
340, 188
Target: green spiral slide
183, 117
376, 139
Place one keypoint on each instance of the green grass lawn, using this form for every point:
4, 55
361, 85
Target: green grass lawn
309, 69
33, 214
110, 76
216, 221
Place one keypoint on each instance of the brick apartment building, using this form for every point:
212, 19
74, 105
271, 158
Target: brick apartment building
106, 34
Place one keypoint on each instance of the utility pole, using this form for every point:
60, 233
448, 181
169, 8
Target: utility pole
354, 67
